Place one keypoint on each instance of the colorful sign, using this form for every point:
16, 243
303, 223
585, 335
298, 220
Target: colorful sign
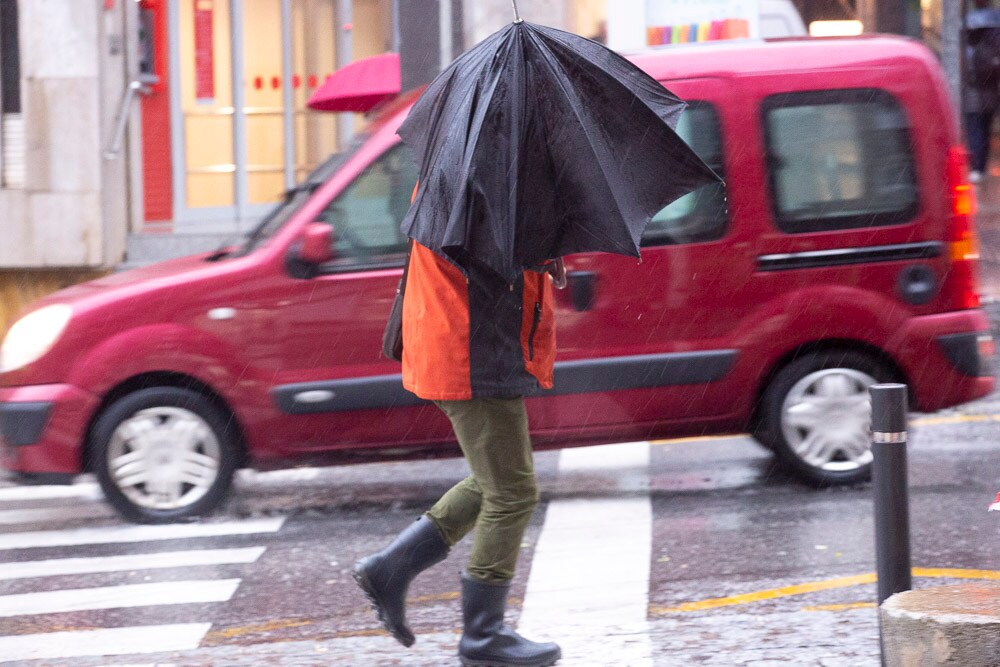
204, 51
679, 21
634, 25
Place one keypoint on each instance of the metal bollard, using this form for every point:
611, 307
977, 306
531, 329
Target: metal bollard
889, 479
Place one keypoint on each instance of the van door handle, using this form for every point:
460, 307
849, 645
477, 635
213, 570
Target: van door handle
581, 288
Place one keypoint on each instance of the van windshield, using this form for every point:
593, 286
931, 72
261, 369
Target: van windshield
296, 198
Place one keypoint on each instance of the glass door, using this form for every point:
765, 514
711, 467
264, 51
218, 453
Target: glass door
242, 131
315, 55
205, 164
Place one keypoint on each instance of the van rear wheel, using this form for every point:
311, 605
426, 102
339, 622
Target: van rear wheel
164, 454
816, 415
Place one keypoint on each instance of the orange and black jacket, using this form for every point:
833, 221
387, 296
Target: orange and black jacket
475, 337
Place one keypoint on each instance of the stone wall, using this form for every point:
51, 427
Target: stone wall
70, 94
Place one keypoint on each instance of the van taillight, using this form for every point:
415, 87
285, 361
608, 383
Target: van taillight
961, 283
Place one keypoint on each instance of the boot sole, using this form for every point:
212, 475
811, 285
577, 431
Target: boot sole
469, 662
361, 579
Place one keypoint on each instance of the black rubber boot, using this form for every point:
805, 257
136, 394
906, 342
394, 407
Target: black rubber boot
486, 641
385, 576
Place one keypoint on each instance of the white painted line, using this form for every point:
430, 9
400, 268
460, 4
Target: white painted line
123, 534
88, 491
589, 583
117, 597
112, 641
64, 566
55, 514
278, 476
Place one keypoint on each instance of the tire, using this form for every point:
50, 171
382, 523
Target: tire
164, 455
816, 416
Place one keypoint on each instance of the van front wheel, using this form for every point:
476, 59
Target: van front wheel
816, 415
164, 454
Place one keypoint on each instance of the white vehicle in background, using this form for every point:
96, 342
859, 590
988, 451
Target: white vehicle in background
633, 26
780, 18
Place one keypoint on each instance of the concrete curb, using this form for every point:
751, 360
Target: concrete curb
955, 626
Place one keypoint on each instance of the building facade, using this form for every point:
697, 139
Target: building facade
136, 130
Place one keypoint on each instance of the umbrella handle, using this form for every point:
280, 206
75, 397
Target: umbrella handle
557, 272
517, 15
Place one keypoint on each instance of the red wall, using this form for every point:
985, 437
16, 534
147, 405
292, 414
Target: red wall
157, 174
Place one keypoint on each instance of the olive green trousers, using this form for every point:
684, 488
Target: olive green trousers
500, 495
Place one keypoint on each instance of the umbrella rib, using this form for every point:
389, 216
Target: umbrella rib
571, 98
559, 37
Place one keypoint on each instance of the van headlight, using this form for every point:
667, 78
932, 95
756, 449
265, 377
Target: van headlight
33, 335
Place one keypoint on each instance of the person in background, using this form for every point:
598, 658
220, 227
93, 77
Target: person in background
981, 95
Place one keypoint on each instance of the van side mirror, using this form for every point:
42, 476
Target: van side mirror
316, 243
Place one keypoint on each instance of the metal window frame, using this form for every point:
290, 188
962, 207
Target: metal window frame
241, 214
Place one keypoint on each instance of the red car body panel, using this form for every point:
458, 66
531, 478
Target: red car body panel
681, 299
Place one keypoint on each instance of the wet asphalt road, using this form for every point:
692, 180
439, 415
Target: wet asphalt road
725, 560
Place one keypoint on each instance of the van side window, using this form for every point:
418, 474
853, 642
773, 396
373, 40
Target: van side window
839, 159
701, 215
366, 215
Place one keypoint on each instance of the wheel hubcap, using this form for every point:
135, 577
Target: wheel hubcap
826, 419
164, 458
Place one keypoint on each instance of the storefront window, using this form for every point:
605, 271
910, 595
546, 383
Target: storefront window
206, 102
234, 145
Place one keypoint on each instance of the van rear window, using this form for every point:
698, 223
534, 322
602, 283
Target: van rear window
839, 159
699, 216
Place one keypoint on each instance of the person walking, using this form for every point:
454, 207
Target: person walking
475, 345
981, 94
533, 145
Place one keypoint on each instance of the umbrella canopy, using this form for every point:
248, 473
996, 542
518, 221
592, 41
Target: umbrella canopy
538, 143
360, 86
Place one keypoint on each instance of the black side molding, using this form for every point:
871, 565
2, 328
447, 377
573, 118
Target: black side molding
641, 371
844, 256
962, 350
571, 377
21, 424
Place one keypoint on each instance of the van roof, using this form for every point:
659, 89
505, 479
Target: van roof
735, 58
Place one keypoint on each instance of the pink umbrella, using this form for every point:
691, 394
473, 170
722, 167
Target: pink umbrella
360, 86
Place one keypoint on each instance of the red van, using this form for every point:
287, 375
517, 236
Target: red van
845, 254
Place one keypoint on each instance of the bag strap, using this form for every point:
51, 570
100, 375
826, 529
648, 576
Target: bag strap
406, 267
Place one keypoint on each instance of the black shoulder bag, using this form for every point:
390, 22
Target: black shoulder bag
392, 338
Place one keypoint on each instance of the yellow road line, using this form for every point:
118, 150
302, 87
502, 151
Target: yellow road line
770, 594
953, 573
240, 631
953, 419
453, 595
815, 586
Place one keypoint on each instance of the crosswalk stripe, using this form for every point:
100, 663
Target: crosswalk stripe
86, 490
65, 566
123, 534
117, 597
105, 642
589, 580
53, 514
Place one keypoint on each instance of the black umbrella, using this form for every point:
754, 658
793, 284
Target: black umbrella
538, 143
